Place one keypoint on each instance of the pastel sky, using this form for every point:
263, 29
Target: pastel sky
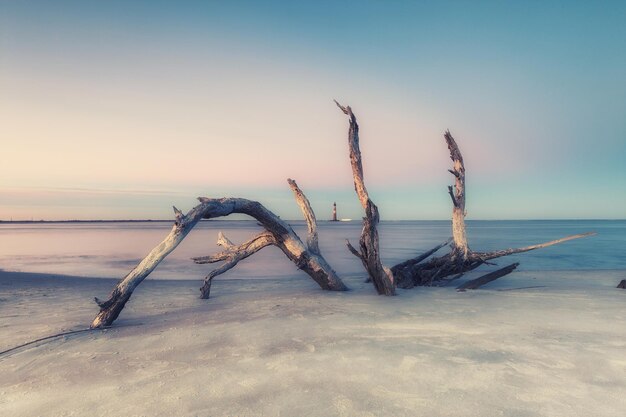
114, 109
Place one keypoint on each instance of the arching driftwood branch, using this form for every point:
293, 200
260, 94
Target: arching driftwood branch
369, 248
233, 254
288, 241
111, 308
460, 259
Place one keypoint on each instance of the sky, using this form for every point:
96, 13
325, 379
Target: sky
119, 110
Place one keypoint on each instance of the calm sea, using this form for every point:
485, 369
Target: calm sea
110, 250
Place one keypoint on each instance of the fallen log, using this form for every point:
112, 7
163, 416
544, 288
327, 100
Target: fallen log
487, 278
313, 263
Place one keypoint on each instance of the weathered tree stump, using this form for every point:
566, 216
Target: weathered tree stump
461, 258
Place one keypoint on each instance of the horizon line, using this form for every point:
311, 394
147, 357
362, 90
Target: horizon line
296, 220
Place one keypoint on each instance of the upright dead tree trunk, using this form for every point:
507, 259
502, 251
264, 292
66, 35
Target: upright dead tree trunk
459, 245
278, 231
369, 252
460, 259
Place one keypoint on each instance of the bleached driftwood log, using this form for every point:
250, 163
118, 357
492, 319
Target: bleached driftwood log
287, 240
487, 278
111, 308
369, 252
461, 258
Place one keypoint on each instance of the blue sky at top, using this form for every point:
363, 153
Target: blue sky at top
120, 109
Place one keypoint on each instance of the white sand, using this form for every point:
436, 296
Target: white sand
286, 348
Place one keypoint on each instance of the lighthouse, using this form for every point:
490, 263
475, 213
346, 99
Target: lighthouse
334, 212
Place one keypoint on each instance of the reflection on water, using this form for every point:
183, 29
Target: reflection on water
113, 249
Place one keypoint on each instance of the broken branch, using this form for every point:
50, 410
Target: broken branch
232, 256
487, 278
309, 216
505, 252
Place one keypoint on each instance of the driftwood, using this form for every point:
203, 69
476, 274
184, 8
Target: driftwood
460, 248
232, 255
421, 270
414, 261
461, 258
369, 252
310, 261
272, 236
487, 278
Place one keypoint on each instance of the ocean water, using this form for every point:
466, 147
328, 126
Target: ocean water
111, 250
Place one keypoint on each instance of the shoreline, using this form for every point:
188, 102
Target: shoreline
301, 220
9, 275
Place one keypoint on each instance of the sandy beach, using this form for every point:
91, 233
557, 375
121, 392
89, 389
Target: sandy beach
285, 348
278, 154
